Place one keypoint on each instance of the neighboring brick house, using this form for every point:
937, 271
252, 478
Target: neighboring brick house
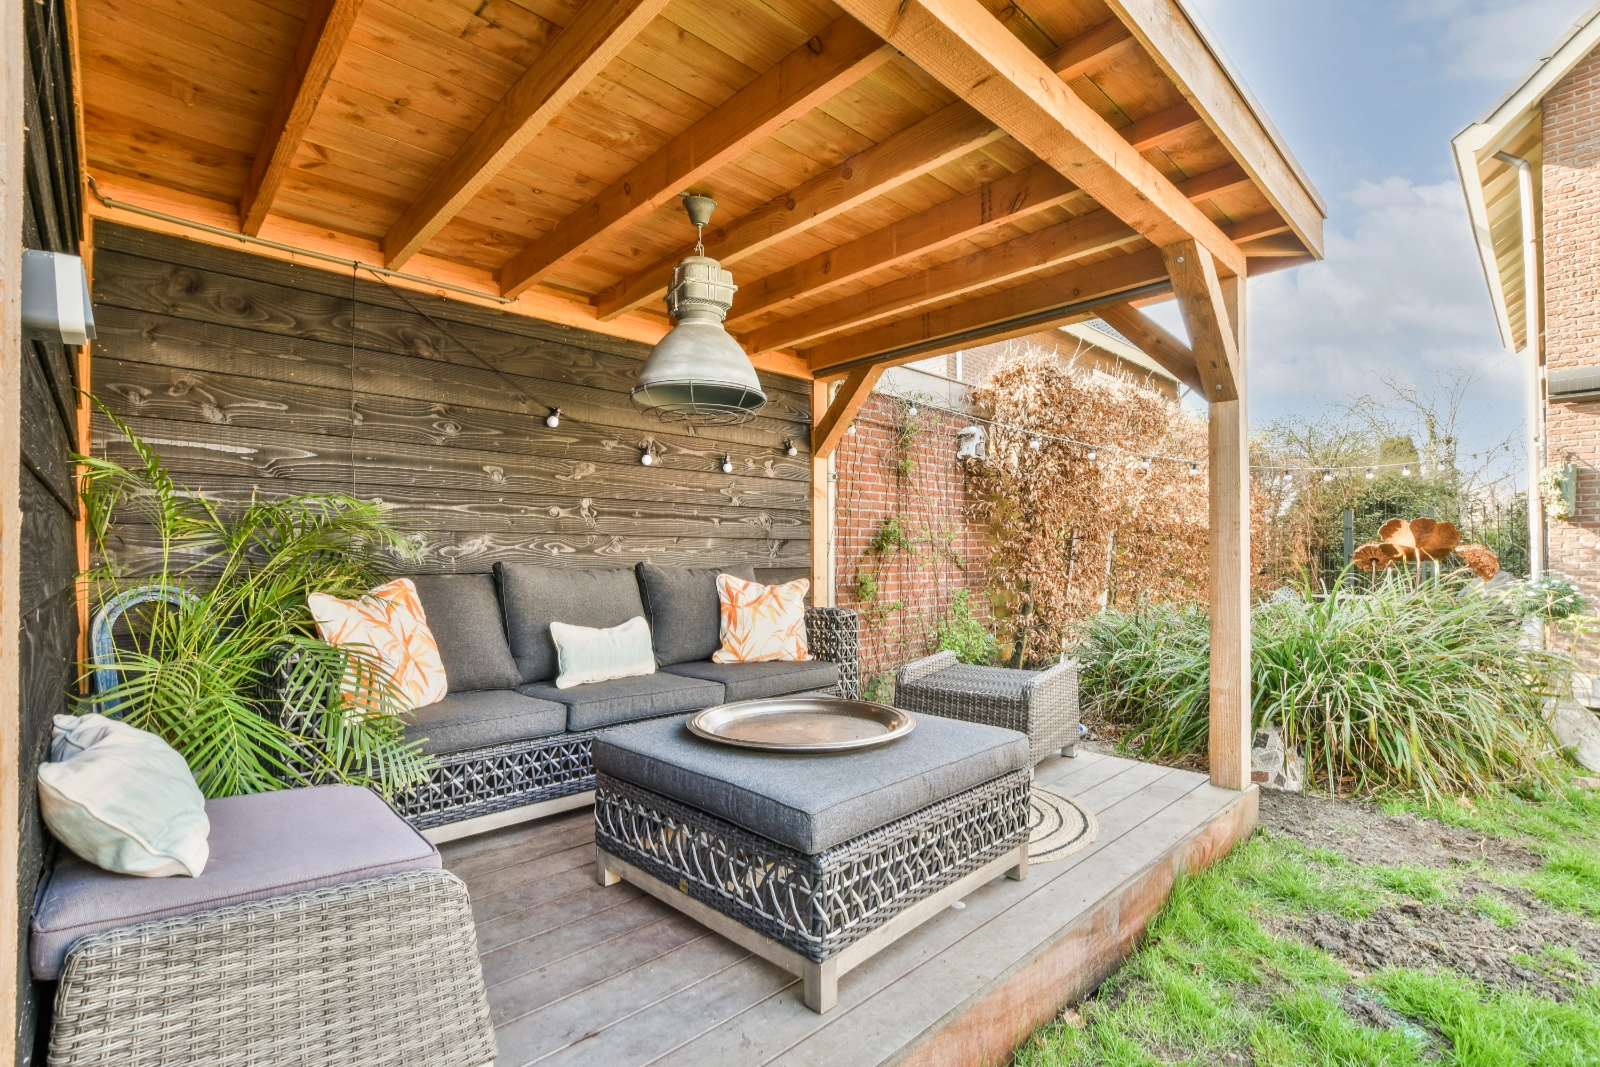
1540, 142
885, 473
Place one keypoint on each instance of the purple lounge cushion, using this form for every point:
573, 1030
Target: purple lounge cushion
263, 845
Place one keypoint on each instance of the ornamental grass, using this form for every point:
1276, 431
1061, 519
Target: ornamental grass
1405, 684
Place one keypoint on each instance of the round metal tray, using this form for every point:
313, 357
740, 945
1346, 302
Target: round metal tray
802, 724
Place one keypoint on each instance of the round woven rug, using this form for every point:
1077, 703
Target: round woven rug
1058, 826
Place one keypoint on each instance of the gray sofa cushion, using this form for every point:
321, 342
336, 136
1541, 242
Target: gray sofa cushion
755, 681
477, 720
684, 610
811, 801
598, 704
535, 596
262, 845
463, 612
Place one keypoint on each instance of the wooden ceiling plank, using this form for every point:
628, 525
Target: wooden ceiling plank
946, 135
827, 64
322, 41
1094, 232
963, 45
1205, 316
599, 33
1059, 290
1003, 200
1089, 49
1163, 126
1155, 342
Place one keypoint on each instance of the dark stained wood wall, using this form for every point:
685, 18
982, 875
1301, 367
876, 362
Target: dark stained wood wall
249, 373
52, 222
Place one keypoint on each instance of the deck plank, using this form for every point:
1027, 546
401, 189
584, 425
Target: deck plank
580, 973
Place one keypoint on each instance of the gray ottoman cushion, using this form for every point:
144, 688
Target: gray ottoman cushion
477, 720
536, 596
598, 704
755, 681
810, 801
683, 609
263, 845
463, 612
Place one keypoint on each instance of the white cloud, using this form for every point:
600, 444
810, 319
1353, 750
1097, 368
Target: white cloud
1494, 40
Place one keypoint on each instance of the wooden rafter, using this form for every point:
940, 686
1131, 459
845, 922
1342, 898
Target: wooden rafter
601, 30
946, 135
1155, 342
1163, 126
1094, 232
1263, 225
853, 392
1275, 245
965, 47
1090, 49
326, 30
1205, 315
1031, 298
842, 54
1003, 200
1225, 179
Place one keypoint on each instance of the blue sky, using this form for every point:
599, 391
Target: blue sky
1368, 93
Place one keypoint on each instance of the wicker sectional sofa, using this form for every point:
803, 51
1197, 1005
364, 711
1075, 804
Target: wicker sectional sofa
507, 744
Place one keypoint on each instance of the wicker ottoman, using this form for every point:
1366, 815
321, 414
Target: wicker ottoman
812, 861
1041, 704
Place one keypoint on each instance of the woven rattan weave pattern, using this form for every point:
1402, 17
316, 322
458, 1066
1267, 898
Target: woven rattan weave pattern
833, 634
816, 905
1041, 704
377, 973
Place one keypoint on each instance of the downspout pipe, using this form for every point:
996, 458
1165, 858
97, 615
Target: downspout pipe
1534, 329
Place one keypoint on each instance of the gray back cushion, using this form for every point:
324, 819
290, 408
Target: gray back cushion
463, 612
535, 596
683, 609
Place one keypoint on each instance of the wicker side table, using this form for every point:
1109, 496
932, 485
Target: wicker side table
1041, 704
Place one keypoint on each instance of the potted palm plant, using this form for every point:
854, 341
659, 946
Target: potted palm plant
218, 604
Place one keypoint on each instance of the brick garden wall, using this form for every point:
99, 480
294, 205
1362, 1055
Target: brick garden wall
928, 495
1571, 208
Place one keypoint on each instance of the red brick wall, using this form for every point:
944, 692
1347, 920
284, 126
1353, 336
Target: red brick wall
1571, 208
930, 497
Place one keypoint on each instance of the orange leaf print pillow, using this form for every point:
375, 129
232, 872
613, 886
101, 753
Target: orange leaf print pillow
389, 627
762, 622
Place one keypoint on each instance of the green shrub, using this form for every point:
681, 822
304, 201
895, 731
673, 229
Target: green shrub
1553, 597
1412, 686
964, 634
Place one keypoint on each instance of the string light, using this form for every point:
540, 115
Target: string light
1194, 468
647, 457
1034, 442
1145, 463
727, 464
1371, 473
1405, 472
911, 409
1092, 453
790, 448
553, 419
851, 429
1327, 476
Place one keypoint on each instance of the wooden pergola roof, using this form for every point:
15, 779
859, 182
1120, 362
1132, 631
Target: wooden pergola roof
889, 175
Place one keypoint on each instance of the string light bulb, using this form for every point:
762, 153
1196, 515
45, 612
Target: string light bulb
727, 464
553, 419
851, 429
647, 457
1145, 463
1327, 476
1371, 473
1034, 442
1092, 453
1194, 468
911, 409
790, 448
1405, 472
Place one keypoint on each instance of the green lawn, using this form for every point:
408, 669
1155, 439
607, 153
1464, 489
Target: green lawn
1223, 978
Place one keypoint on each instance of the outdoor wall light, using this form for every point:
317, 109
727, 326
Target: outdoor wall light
790, 448
55, 299
726, 464
553, 419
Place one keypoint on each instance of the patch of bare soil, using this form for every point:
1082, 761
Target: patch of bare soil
1435, 937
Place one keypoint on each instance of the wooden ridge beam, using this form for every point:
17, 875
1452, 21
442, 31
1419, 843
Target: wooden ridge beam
1155, 342
812, 74
1094, 232
960, 43
1205, 315
1030, 298
946, 135
322, 40
598, 33
853, 393
1163, 126
1003, 200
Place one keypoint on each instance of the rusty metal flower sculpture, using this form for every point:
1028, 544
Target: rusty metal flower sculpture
1480, 559
1375, 556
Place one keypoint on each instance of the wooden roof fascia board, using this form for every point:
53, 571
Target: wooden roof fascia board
819, 69
1069, 287
1175, 357
1175, 40
599, 32
965, 47
1086, 234
322, 41
944, 136
1015, 196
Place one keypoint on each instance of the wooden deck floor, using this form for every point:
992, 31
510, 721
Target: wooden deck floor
580, 974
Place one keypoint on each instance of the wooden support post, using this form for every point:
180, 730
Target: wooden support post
821, 511
1230, 558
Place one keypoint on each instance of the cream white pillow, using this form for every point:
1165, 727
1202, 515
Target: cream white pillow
123, 799
588, 654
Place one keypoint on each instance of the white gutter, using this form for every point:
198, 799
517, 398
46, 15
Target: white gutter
1533, 330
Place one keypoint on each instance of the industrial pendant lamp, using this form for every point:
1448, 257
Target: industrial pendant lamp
697, 373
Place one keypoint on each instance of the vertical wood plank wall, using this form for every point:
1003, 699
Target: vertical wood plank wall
48, 558
248, 373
